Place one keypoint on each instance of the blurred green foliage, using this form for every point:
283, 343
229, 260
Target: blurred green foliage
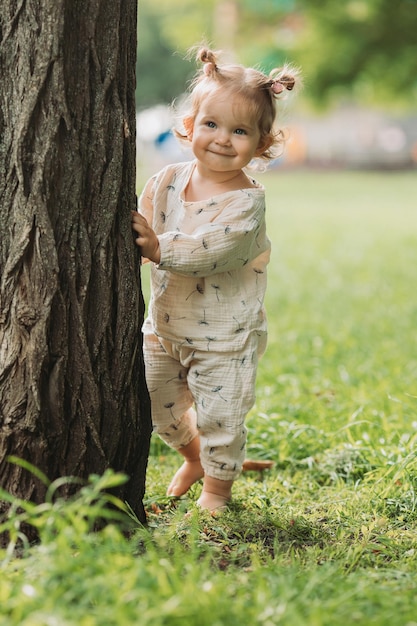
356, 50
362, 49
161, 72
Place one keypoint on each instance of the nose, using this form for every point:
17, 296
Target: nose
222, 137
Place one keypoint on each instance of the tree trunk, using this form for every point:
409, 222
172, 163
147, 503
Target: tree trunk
73, 398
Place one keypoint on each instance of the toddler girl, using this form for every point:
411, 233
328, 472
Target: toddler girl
202, 225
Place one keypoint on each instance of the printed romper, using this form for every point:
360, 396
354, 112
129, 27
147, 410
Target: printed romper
206, 325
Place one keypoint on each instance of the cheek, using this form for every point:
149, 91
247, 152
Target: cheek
200, 137
251, 147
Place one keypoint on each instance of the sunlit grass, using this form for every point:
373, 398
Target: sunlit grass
328, 536
342, 309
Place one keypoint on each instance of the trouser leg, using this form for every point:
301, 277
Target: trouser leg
173, 415
223, 387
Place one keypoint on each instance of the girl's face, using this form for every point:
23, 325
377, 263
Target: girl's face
224, 134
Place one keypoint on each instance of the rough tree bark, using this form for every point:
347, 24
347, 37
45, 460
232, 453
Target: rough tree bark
73, 400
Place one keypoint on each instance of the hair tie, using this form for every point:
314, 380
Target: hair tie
277, 87
208, 68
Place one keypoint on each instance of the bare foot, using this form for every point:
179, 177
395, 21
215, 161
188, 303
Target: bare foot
216, 494
212, 502
188, 474
260, 466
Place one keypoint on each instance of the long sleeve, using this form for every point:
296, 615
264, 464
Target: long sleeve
235, 237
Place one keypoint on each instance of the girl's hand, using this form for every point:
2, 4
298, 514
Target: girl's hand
146, 239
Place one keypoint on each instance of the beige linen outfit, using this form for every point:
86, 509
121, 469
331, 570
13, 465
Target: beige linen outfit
206, 325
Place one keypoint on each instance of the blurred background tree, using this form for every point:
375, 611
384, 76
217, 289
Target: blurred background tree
161, 69
356, 50
364, 50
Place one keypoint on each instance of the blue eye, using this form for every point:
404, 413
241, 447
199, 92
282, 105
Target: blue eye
240, 131
211, 124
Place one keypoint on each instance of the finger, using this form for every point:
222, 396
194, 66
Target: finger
138, 217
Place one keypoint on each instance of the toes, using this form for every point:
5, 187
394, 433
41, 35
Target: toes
175, 490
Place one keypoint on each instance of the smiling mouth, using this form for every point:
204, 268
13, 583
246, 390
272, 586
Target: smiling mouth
217, 153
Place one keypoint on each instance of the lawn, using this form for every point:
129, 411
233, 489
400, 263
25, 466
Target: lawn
328, 536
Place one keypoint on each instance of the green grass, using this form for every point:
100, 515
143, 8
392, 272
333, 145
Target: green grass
328, 536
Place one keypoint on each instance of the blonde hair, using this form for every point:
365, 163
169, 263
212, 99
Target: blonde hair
259, 90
